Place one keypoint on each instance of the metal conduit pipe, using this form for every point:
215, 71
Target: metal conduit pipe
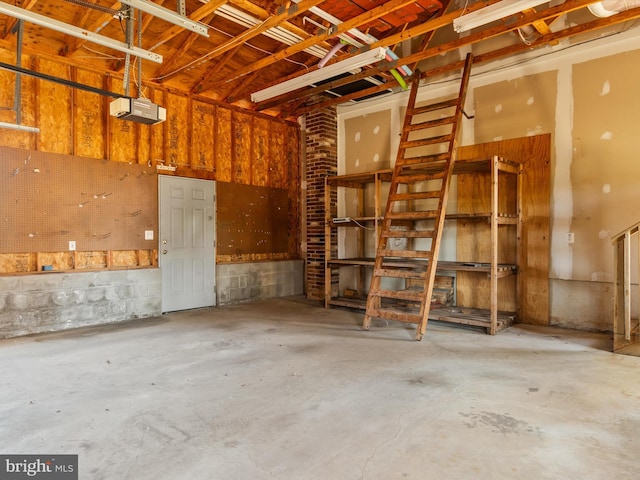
607, 8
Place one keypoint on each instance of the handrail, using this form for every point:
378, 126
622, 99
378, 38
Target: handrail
622, 278
631, 230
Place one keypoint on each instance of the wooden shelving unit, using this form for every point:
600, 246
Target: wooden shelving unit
491, 319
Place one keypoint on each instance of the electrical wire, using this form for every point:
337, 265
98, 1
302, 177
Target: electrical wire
213, 52
100, 54
361, 225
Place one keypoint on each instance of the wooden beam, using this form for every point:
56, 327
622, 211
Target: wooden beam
429, 26
73, 44
486, 57
270, 22
205, 82
569, 5
196, 16
119, 65
168, 66
11, 21
300, 94
254, 31
366, 17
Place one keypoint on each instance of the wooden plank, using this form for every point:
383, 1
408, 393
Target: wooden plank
124, 258
278, 144
17, 262
12, 138
222, 140
241, 128
90, 260
202, 135
157, 153
89, 129
260, 152
177, 129
54, 110
293, 182
59, 261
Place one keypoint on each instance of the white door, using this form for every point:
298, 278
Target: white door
187, 242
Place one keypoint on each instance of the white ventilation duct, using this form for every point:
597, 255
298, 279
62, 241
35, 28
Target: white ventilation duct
607, 8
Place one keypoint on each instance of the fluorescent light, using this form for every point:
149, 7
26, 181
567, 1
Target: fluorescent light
72, 31
494, 12
276, 33
168, 15
357, 61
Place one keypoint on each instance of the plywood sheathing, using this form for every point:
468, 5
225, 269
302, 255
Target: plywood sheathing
533, 265
202, 139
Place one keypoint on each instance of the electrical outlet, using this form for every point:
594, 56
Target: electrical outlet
570, 237
72, 245
148, 234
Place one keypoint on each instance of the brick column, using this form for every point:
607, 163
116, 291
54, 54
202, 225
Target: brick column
321, 160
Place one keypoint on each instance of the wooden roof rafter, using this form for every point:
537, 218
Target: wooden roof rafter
11, 22
170, 65
444, 20
252, 32
543, 40
344, 27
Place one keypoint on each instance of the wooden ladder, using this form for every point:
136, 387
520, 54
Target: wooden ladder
411, 230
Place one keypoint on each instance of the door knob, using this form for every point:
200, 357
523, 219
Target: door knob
164, 252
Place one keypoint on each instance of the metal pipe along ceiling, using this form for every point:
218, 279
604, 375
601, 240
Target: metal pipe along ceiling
607, 8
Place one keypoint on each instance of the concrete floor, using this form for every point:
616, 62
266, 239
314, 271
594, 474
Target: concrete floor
284, 389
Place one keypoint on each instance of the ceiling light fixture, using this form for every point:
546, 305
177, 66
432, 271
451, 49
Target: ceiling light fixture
493, 12
168, 16
72, 31
276, 33
333, 70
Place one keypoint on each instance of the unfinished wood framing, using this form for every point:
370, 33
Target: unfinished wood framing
496, 227
626, 327
201, 138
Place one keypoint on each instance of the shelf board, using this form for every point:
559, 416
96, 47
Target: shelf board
443, 266
460, 315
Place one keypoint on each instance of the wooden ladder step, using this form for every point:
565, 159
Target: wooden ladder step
408, 234
406, 253
400, 273
409, 295
431, 123
411, 170
393, 314
418, 177
424, 215
408, 196
430, 160
423, 142
435, 106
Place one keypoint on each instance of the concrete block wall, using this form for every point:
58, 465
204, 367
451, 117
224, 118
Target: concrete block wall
242, 282
321, 160
57, 301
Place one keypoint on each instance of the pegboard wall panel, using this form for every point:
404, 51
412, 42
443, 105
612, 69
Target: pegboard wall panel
251, 220
51, 199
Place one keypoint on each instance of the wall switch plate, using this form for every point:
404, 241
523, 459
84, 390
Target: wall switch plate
570, 237
148, 234
72, 245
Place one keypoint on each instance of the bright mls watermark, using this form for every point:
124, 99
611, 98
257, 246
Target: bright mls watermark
39, 467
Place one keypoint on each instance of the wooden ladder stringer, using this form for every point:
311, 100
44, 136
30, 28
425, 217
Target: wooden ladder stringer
415, 210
